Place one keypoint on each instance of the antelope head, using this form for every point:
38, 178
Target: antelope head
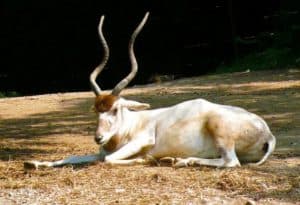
111, 107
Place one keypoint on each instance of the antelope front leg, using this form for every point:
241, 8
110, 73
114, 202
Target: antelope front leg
70, 160
121, 156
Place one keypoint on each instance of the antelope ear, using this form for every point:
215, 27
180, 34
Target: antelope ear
134, 105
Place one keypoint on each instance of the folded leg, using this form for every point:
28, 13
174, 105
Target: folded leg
228, 159
121, 156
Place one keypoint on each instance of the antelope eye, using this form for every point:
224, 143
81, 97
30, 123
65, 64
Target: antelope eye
114, 111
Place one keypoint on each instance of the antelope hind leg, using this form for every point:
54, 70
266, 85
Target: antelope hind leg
228, 159
190, 161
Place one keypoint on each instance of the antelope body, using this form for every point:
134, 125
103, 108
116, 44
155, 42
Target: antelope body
194, 132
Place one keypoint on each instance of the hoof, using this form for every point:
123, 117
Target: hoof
167, 160
180, 164
30, 165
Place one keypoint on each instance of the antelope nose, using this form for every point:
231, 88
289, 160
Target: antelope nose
98, 139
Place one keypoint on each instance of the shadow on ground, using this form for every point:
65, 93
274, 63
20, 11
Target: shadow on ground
25, 137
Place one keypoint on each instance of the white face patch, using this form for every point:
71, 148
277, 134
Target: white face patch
108, 125
110, 122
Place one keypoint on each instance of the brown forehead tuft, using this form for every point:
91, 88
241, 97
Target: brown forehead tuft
103, 103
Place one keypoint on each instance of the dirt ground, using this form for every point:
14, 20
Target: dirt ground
55, 126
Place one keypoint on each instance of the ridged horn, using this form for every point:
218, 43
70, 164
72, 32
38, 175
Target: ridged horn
99, 68
134, 66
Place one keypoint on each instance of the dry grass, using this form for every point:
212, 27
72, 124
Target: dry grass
51, 127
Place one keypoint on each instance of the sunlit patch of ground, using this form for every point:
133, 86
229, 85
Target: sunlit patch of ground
52, 127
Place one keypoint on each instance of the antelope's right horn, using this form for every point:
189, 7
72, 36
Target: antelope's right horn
99, 68
134, 66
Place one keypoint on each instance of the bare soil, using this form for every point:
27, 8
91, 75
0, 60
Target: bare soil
55, 126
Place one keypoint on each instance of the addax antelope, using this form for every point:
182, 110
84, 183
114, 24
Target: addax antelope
194, 132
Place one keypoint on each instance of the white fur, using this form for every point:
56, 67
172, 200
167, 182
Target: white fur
174, 132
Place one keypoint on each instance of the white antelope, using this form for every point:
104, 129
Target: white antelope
194, 132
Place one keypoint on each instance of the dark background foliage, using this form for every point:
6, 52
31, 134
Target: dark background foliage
52, 46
